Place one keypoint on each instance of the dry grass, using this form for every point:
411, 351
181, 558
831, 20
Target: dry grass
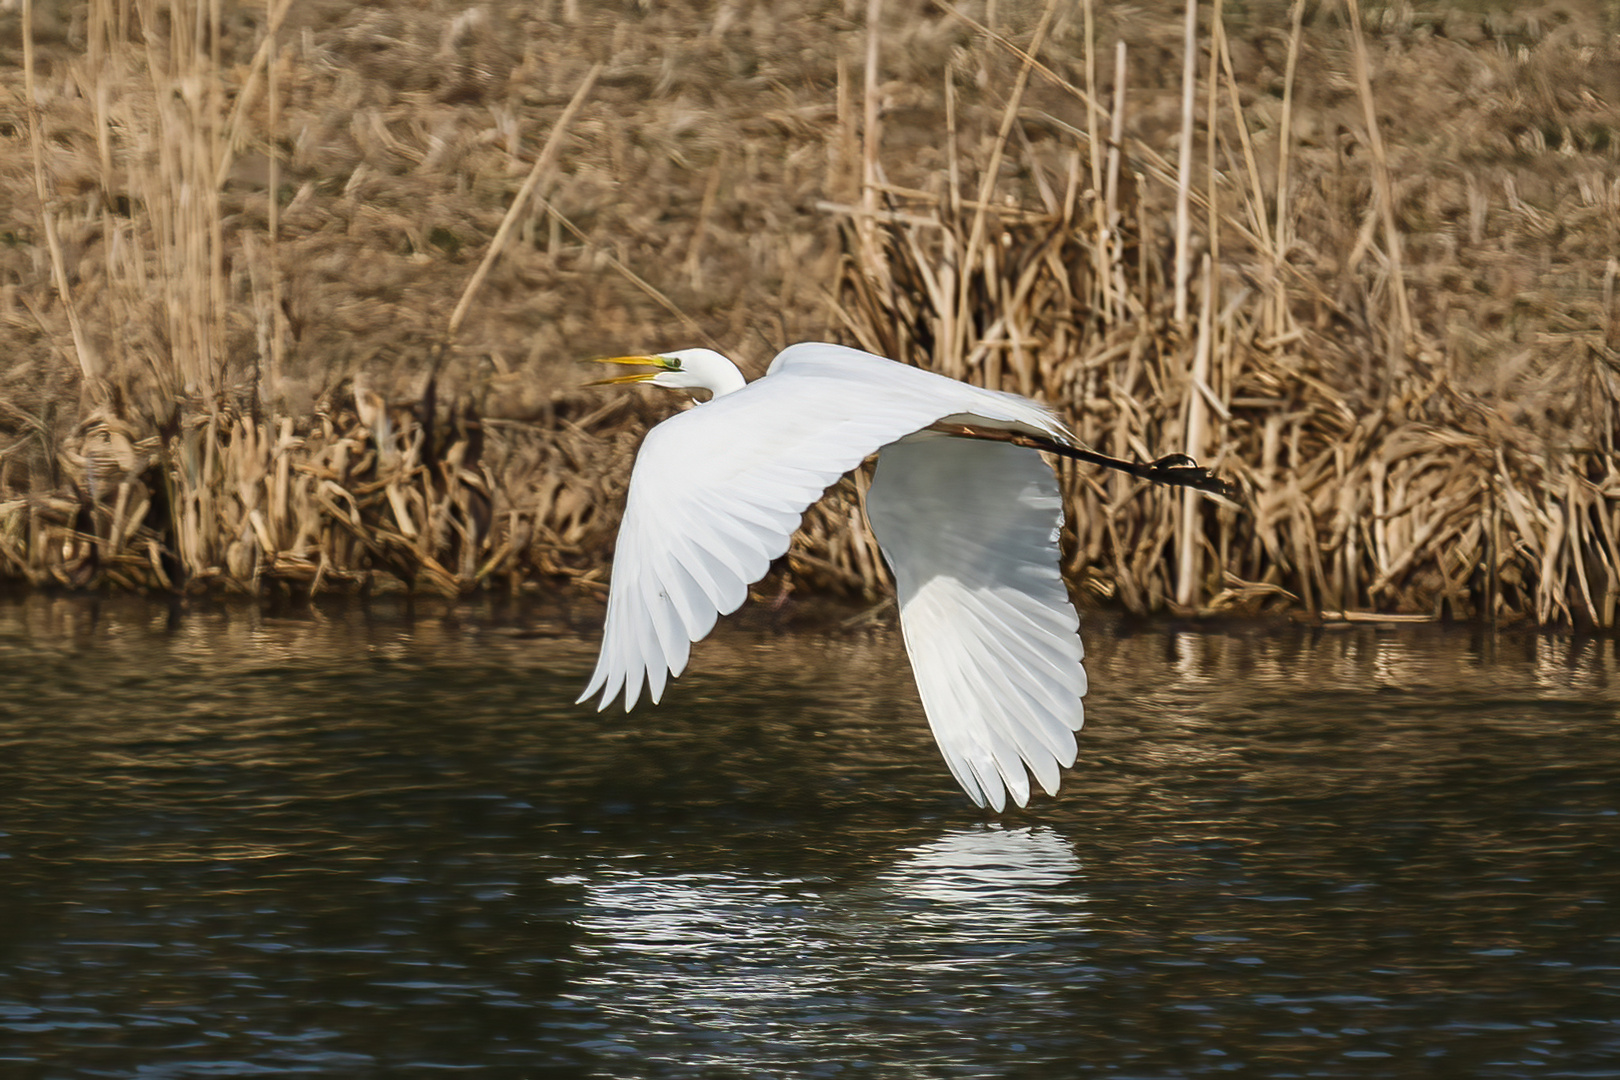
231, 257
1404, 444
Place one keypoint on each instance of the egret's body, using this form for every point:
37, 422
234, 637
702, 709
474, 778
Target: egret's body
969, 528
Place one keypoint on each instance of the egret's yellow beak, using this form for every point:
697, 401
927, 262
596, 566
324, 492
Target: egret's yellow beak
641, 376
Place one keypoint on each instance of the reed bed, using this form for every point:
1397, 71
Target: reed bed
1378, 293
1388, 465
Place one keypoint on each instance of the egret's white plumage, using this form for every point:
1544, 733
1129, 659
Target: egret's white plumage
969, 528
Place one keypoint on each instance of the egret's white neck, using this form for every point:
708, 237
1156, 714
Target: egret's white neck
728, 382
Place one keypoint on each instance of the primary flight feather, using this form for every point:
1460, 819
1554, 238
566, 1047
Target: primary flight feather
969, 528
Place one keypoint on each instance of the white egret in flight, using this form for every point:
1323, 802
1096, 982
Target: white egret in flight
964, 508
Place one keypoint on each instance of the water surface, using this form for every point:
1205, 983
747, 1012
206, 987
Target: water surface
367, 843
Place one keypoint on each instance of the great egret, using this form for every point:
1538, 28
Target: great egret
968, 525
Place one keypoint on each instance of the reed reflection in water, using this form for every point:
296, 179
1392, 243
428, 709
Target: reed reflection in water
371, 844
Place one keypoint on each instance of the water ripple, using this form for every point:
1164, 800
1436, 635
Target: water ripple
371, 844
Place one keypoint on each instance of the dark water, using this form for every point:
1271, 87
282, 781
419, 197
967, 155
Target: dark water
367, 845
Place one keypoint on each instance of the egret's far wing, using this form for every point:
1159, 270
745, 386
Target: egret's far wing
970, 529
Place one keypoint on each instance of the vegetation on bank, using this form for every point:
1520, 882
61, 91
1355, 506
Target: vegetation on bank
297, 305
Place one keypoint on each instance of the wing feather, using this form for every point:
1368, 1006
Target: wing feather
1043, 663
718, 491
694, 596
970, 529
1030, 700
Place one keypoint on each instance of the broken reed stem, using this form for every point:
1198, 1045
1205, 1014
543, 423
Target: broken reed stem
1187, 575
948, 268
1115, 287
217, 286
263, 61
1189, 78
520, 202
869, 107
47, 212
1102, 265
1285, 134
1255, 194
272, 378
1093, 120
1212, 131
1385, 189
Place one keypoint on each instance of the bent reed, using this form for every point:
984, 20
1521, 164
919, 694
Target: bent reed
295, 306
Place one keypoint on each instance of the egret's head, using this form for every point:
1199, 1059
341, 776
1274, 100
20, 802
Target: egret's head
684, 369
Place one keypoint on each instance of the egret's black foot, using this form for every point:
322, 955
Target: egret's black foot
1182, 471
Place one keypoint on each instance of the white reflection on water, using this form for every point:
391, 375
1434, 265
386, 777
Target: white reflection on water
735, 967
986, 875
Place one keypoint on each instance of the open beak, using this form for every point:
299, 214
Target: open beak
640, 376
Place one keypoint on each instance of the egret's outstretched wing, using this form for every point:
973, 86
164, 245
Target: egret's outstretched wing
717, 492
970, 529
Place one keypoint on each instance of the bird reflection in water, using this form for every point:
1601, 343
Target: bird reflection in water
735, 967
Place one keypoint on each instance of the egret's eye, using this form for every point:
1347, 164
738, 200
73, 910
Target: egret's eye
672, 364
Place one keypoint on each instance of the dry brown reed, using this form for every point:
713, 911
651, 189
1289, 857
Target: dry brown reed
1379, 475
259, 333
274, 394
